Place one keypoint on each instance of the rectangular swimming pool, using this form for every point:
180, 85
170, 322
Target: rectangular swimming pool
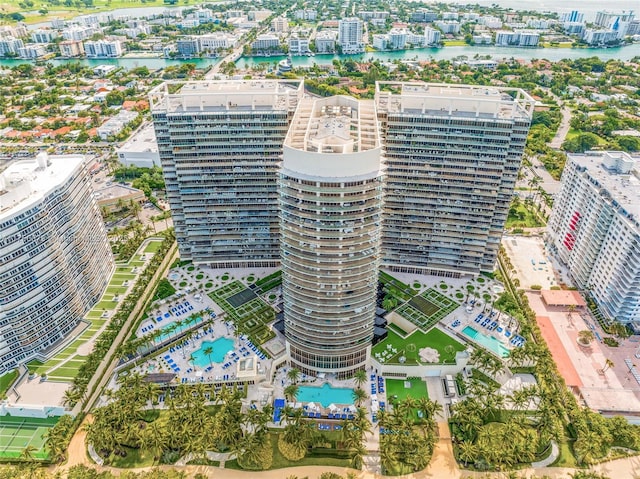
325, 395
488, 342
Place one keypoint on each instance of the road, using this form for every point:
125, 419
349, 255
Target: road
563, 129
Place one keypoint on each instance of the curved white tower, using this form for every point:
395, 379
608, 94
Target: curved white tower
330, 220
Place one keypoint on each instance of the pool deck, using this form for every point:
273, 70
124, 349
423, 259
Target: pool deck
460, 319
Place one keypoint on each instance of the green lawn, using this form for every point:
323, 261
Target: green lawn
153, 246
133, 458
436, 339
522, 217
6, 380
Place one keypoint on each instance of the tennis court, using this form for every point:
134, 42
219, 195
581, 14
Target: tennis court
16, 433
241, 298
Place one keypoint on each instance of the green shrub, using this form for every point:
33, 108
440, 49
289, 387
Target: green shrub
164, 289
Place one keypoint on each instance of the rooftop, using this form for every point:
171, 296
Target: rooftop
226, 95
143, 140
618, 174
26, 182
474, 101
338, 124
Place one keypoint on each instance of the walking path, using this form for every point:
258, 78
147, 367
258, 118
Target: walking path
555, 453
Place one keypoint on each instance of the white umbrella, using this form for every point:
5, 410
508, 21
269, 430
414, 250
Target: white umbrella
297, 405
312, 406
332, 407
352, 408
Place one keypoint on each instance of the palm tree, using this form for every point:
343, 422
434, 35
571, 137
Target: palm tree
467, 452
26, 454
290, 392
294, 375
608, 364
585, 337
360, 377
209, 351
359, 395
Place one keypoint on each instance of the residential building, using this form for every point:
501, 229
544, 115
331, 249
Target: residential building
220, 145
573, 28
397, 38
572, 16
330, 190
594, 229
326, 41
491, 22
103, 48
482, 39
309, 15
280, 24
77, 32
453, 153
599, 37
350, 35
55, 256
432, 36
521, 38
71, 48
266, 42
259, 15
32, 52
10, 46
44, 35
216, 42
116, 124
188, 46
606, 18
423, 16
298, 45
448, 26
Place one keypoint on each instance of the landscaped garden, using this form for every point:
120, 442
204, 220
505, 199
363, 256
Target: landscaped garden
409, 347
250, 313
427, 309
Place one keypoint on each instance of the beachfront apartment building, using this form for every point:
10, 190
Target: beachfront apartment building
220, 145
594, 229
55, 256
258, 175
330, 203
453, 153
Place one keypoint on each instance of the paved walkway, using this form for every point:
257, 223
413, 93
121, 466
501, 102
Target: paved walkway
555, 453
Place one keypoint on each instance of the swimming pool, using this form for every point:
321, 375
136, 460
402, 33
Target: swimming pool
488, 342
220, 346
168, 331
325, 395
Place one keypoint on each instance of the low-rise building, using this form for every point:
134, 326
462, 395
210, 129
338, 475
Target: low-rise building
113, 197
298, 45
10, 46
141, 149
326, 41
32, 52
448, 26
266, 42
115, 125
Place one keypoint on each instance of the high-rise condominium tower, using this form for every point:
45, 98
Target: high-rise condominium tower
220, 145
55, 259
595, 229
453, 153
452, 158
331, 211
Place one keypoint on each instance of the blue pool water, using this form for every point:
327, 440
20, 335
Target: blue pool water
220, 346
325, 395
488, 342
169, 332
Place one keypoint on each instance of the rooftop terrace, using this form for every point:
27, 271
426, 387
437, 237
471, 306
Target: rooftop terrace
454, 100
226, 95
